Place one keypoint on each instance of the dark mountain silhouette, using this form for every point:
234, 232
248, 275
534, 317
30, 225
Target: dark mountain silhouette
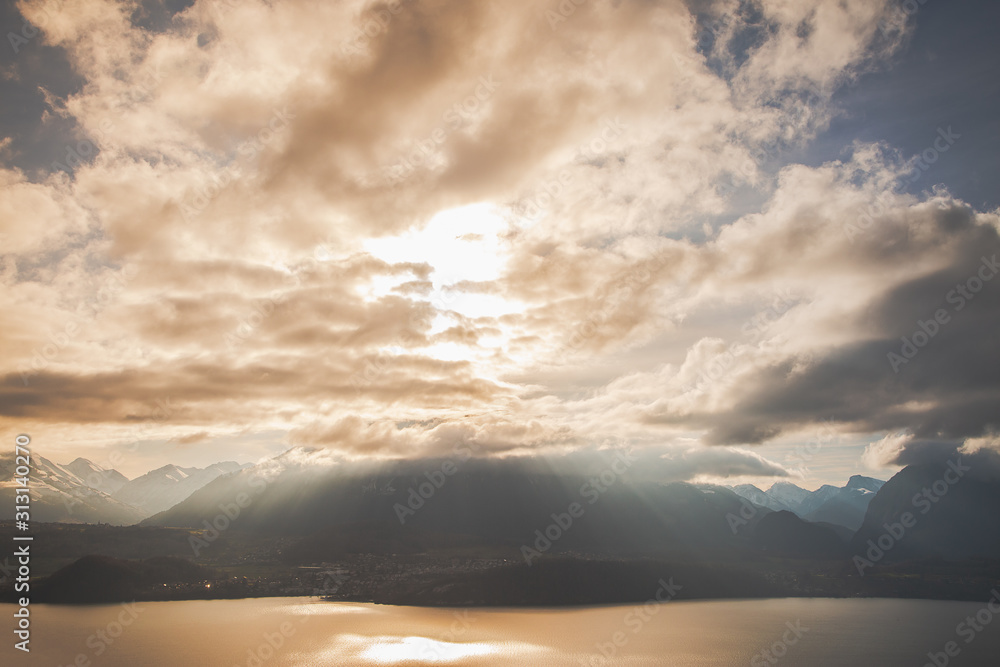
563, 581
500, 502
480, 531
103, 579
950, 520
785, 534
509, 505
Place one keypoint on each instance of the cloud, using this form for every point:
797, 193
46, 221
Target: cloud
982, 455
887, 451
480, 434
719, 463
841, 350
215, 248
192, 438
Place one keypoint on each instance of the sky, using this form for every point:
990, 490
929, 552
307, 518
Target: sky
754, 241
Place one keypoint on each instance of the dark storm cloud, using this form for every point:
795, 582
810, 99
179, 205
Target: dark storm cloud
930, 362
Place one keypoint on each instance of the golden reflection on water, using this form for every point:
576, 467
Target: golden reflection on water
297, 632
388, 650
421, 649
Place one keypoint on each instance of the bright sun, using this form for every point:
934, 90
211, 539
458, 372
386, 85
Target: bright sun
461, 244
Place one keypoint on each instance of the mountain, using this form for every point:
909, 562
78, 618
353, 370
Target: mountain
396, 505
864, 483
785, 534
758, 497
59, 494
843, 506
788, 494
783, 496
96, 579
848, 505
84, 492
105, 480
164, 487
953, 509
817, 499
516, 509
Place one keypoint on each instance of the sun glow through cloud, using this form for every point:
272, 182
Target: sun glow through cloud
483, 312
460, 244
517, 233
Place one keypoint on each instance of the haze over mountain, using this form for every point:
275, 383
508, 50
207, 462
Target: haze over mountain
103, 479
164, 487
305, 507
402, 505
491, 499
84, 492
60, 494
398, 506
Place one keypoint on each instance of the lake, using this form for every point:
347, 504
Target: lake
276, 632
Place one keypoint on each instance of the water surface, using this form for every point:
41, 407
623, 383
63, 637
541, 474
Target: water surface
276, 632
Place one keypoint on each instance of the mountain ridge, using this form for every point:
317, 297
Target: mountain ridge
843, 506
